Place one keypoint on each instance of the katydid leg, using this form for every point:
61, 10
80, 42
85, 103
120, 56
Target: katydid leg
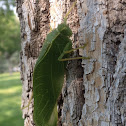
75, 58
82, 47
28, 102
66, 50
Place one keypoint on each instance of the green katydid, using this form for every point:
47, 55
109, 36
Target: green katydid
48, 76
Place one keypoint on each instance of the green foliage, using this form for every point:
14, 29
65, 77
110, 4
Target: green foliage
3, 65
10, 97
7, 4
7, 64
9, 35
14, 59
48, 76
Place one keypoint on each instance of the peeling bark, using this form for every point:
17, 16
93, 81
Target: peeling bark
102, 25
94, 92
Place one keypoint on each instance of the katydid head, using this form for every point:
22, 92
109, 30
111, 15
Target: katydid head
64, 29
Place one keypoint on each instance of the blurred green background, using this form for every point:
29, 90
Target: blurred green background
10, 100
9, 37
10, 84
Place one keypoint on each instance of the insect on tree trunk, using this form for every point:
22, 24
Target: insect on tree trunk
94, 92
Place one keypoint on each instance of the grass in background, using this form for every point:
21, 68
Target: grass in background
10, 100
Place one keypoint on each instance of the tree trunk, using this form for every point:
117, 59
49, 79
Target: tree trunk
94, 92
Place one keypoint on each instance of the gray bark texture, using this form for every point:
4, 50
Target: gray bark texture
94, 92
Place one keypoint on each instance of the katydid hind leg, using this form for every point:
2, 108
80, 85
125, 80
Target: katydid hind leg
74, 58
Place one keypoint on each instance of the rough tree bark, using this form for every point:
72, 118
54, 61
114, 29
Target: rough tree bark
94, 93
